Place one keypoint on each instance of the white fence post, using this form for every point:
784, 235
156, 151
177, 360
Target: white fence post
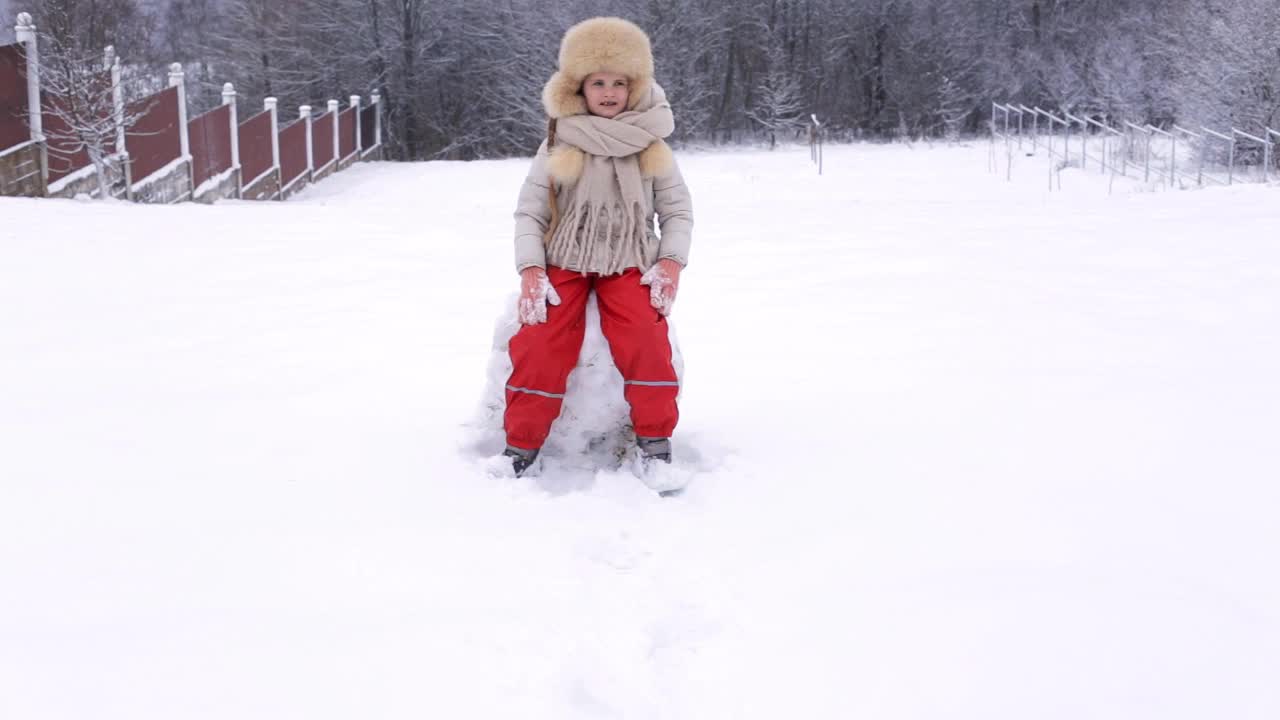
178, 79
269, 104
304, 113
229, 99
26, 34
355, 104
111, 63
337, 152
25, 31
1269, 154
377, 118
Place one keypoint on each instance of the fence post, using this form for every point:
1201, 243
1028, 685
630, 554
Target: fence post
1066, 143
1231, 162
178, 79
1050, 141
1146, 153
1084, 145
1269, 135
269, 104
25, 30
377, 118
337, 151
1266, 153
1204, 150
355, 104
1146, 147
229, 99
304, 114
112, 64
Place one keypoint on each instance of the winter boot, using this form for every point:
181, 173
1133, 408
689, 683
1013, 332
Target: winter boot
654, 449
654, 453
521, 459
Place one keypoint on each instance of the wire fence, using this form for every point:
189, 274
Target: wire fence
1171, 156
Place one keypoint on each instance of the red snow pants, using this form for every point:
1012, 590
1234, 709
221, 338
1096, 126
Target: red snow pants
543, 355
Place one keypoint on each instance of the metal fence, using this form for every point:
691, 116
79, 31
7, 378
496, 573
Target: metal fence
1171, 156
816, 133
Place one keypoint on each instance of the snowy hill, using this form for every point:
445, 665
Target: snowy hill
969, 450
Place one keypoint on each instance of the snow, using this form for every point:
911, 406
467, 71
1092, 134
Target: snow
161, 174
964, 448
214, 181
85, 172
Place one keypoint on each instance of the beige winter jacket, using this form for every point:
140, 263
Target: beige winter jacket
665, 195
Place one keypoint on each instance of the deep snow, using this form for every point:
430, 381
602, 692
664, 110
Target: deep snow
969, 450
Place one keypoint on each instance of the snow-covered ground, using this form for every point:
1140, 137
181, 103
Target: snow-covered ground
968, 449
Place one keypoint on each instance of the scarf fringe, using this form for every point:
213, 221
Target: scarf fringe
600, 239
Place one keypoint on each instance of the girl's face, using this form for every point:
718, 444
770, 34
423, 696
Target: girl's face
606, 93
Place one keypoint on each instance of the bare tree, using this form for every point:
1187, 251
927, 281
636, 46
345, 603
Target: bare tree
91, 25
461, 78
80, 94
1231, 76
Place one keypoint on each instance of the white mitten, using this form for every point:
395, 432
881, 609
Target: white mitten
663, 280
535, 292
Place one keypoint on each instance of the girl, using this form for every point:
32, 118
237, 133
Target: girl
584, 223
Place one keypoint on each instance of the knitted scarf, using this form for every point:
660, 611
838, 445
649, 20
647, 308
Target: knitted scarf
602, 226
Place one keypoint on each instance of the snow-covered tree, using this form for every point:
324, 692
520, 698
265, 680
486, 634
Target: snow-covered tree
79, 92
461, 78
1230, 75
777, 102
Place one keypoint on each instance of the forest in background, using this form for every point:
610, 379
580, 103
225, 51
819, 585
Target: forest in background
462, 79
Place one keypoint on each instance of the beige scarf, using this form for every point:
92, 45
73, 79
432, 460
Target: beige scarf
601, 170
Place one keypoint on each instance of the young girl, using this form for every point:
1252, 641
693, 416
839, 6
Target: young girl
584, 223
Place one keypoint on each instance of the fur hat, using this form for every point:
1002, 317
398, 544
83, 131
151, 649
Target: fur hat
602, 44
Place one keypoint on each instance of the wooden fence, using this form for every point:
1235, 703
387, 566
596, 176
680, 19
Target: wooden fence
160, 156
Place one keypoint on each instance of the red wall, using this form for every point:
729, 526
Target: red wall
293, 151
155, 139
346, 132
322, 140
13, 97
210, 137
255, 146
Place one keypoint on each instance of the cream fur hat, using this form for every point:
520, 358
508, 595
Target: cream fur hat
602, 44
